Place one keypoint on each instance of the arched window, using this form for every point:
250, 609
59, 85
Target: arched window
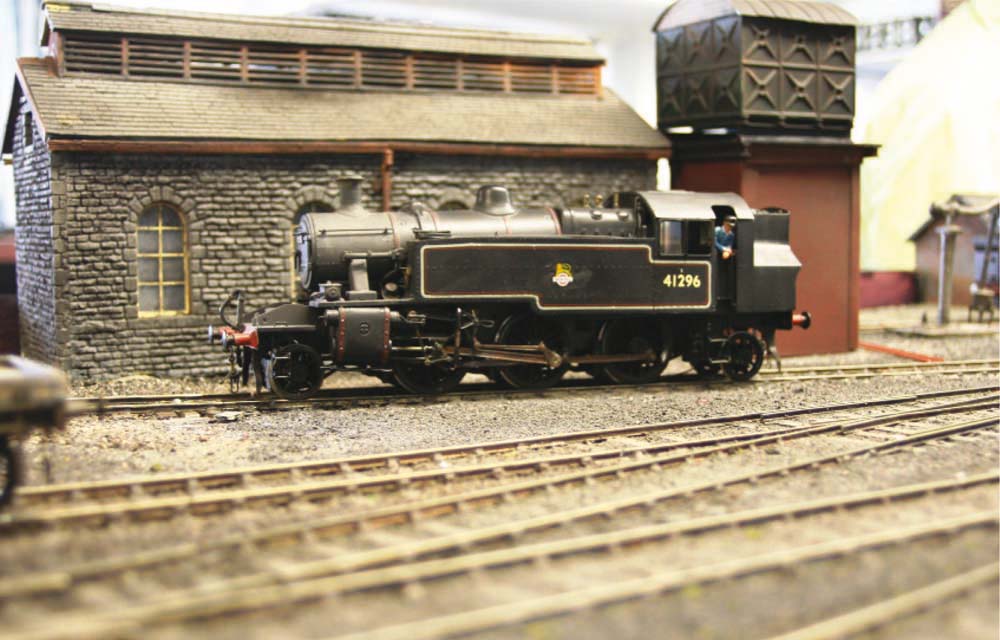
163, 268
312, 206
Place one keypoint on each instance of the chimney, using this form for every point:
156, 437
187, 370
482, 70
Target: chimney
350, 193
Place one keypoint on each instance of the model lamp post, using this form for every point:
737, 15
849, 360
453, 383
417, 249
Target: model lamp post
963, 205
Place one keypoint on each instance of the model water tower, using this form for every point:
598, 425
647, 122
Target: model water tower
757, 97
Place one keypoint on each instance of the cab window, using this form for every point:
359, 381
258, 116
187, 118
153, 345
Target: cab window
700, 237
687, 237
670, 238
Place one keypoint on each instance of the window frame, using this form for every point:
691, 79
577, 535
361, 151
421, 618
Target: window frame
662, 226
160, 283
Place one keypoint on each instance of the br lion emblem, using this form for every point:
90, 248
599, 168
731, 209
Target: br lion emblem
564, 274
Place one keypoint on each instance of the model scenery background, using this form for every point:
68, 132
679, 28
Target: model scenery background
918, 96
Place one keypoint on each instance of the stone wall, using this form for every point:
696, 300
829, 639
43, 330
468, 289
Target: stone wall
238, 212
35, 233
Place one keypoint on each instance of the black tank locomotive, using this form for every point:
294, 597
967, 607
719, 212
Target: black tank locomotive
419, 298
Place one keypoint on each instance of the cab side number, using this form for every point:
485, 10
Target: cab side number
682, 280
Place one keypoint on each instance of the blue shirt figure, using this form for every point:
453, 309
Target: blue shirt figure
724, 238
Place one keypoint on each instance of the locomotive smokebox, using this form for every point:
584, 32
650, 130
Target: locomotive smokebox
330, 246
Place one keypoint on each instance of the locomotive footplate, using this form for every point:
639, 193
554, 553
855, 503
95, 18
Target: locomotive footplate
563, 276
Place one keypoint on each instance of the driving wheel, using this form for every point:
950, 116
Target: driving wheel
294, 371
633, 337
427, 379
706, 368
531, 330
746, 355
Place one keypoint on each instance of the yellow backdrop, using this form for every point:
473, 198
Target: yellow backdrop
937, 117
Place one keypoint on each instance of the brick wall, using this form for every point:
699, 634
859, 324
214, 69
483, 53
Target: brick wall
34, 236
238, 211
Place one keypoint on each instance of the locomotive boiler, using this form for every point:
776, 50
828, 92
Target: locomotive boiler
419, 298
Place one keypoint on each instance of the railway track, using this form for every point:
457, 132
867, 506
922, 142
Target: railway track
213, 495
334, 398
565, 603
746, 427
290, 587
422, 510
898, 607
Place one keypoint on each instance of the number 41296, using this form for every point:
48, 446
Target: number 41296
682, 280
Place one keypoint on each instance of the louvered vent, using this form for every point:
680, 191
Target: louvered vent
435, 73
321, 68
383, 69
577, 81
149, 57
275, 65
214, 61
332, 68
97, 55
531, 78
482, 76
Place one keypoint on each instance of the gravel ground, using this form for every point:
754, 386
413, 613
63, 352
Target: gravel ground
122, 445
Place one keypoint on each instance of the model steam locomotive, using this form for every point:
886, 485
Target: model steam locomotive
419, 298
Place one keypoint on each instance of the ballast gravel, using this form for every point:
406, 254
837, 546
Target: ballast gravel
118, 446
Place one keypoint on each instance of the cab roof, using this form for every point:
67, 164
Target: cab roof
688, 205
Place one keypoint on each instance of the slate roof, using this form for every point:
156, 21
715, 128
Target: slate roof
685, 12
111, 107
84, 16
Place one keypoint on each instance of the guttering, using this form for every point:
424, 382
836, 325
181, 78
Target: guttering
217, 147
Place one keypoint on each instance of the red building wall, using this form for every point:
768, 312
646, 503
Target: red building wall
815, 179
9, 338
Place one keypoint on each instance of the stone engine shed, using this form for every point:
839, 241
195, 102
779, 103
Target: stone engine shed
162, 158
